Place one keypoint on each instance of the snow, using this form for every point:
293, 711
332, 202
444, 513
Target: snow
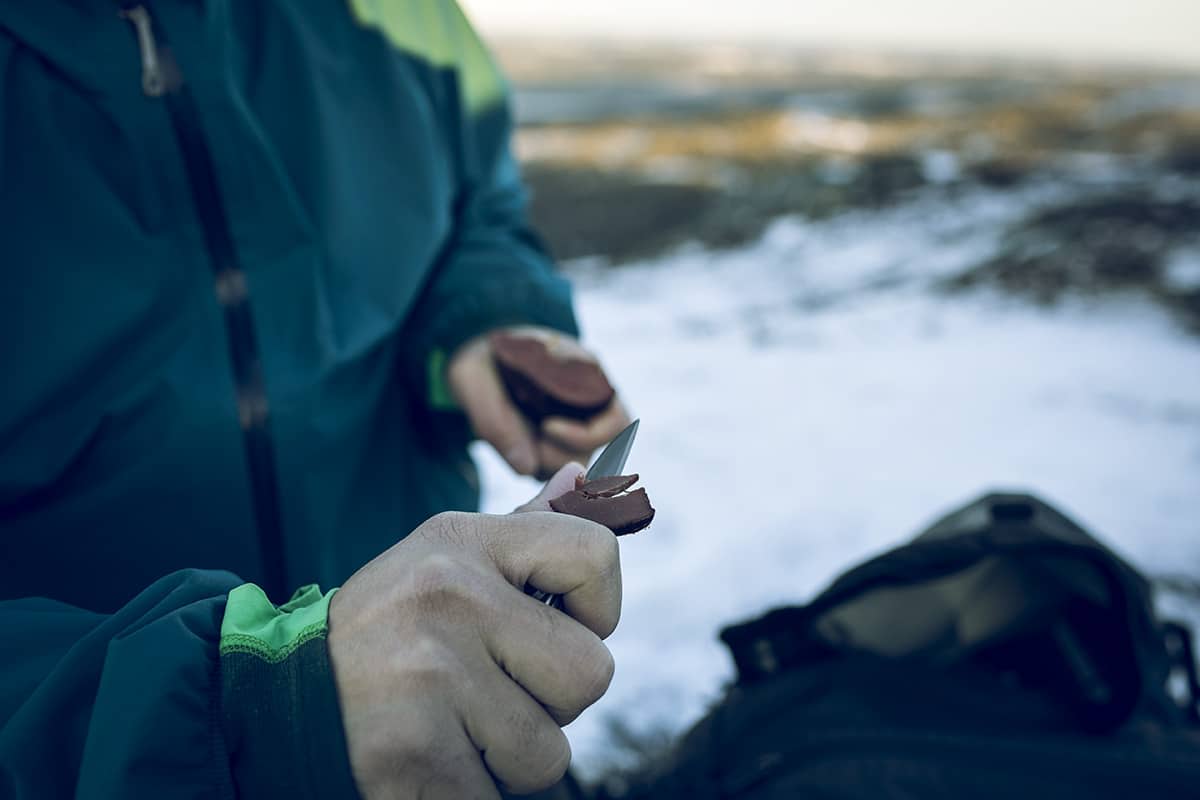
811, 400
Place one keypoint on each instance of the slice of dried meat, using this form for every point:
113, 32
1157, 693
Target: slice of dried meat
543, 383
605, 487
608, 502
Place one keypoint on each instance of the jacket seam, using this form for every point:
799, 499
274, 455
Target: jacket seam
244, 643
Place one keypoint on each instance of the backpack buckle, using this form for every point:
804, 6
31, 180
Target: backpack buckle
1183, 681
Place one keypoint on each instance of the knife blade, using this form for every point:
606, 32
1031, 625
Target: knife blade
612, 459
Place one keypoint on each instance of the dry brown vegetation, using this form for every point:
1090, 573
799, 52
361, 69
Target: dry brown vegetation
710, 145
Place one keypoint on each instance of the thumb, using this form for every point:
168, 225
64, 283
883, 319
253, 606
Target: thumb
559, 484
477, 387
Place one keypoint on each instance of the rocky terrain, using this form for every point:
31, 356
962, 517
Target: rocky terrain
632, 151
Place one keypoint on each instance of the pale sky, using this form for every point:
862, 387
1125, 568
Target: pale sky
1143, 30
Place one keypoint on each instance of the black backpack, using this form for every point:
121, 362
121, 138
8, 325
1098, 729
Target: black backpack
1002, 653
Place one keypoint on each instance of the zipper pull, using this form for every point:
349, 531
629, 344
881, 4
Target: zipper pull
154, 82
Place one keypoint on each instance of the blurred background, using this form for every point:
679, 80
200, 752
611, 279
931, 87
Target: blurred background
853, 266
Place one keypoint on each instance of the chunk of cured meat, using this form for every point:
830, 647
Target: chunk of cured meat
544, 383
609, 502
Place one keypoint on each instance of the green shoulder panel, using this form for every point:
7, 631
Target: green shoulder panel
437, 31
253, 625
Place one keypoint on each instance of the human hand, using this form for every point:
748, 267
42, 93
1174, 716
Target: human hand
451, 678
478, 389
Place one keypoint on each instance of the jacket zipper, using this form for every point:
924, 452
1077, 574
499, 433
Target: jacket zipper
153, 83
161, 78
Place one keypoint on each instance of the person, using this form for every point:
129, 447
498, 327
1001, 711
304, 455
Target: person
251, 253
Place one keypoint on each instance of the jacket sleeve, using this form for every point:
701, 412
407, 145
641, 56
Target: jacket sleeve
195, 688
494, 270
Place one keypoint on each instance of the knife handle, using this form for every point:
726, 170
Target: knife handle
552, 600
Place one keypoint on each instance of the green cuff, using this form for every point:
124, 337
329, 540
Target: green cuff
440, 396
279, 702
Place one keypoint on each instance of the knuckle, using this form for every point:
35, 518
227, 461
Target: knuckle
591, 670
598, 548
595, 674
603, 555
547, 756
431, 667
452, 527
558, 758
436, 574
608, 622
443, 587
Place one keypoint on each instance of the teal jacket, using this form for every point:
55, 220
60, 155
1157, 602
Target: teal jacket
238, 241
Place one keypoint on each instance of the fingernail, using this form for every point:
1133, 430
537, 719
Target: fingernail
522, 458
564, 480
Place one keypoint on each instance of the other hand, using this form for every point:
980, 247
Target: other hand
476, 385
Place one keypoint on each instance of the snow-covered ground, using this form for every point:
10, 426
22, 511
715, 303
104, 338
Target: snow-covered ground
810, 400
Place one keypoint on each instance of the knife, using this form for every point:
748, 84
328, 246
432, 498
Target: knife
610, 462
